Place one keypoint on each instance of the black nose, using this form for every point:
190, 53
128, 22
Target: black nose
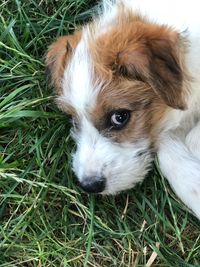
93, 184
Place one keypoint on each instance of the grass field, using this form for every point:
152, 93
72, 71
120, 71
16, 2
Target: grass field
45, 220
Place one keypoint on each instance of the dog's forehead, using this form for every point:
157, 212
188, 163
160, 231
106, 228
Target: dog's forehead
80, 86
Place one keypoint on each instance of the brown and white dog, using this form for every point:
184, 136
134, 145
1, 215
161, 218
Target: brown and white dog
131, 81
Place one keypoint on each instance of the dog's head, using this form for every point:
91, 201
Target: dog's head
118, 83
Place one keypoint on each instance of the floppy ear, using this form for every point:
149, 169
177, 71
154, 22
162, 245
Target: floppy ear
57, 57
154, 57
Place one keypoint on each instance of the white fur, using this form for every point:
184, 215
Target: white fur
78, 79
193, 141
182, 170
178, 146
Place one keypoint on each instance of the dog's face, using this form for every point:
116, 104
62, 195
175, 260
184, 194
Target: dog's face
118, 86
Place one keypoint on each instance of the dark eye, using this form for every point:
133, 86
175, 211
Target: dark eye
119, 118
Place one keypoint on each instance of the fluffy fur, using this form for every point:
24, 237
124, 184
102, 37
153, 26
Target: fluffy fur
140, 56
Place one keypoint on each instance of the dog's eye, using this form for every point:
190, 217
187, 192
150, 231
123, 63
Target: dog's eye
119, 118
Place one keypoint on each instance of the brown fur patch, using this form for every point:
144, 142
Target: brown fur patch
57, 57
147, 110
143, 69
139, 50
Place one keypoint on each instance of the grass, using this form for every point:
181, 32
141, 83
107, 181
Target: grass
44, 218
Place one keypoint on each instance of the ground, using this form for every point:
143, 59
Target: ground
45, 220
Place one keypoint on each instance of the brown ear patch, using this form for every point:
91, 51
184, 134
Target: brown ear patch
140, 50
57, 57
166, 73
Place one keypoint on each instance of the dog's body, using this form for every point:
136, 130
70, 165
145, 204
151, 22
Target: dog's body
131, 80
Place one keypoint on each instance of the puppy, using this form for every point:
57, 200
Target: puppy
131, 81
